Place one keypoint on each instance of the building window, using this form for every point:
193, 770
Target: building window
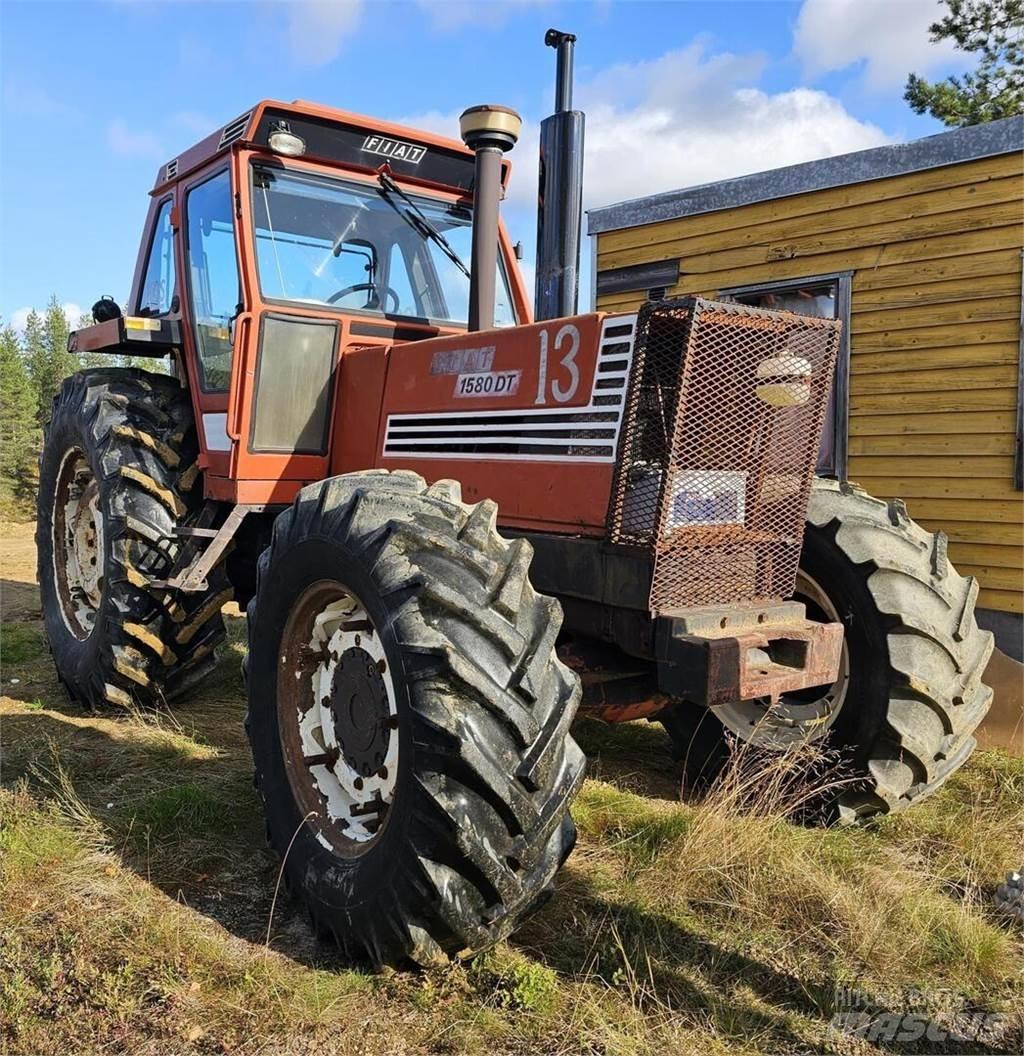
826, 297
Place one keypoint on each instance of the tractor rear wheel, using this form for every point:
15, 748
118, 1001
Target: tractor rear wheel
408, 717
910, 692
116, 477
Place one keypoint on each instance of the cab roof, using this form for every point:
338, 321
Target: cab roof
337, 137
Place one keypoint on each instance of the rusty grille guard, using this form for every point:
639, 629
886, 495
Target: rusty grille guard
721, 434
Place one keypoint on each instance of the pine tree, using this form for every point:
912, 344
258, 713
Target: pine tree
34, 350
56, 329
993, 29
18, 433
46, 351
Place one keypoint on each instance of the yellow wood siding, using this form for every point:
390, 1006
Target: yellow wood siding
934, 333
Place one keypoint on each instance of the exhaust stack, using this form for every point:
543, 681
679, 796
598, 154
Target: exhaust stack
560, 193
488, 131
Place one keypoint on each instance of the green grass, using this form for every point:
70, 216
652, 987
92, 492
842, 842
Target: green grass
20, 644
136, 897
180, 810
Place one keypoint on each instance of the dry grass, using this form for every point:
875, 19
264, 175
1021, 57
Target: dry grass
135, 898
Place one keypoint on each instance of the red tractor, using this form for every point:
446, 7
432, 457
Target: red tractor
367, 439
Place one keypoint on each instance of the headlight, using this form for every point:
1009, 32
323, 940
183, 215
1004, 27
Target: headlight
282, 140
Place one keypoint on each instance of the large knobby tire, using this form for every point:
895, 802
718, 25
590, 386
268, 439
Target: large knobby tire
912, 694
117, 475
396, 638
917, 655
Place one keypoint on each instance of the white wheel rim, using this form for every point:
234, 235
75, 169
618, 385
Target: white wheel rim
355, 781
77, 544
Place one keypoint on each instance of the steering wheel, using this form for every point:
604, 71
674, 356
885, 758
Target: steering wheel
370, 287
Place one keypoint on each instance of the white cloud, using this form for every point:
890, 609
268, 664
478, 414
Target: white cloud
690, 117
456, 14
317, 28
195, 123
33, 100
133, 142
683, 119
19, 317
890, 37
647, 149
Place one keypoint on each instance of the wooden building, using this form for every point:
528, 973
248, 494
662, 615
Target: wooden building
917, 248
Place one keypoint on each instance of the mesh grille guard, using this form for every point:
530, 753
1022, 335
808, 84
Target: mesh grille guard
722, 427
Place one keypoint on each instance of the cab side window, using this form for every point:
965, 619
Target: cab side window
213, 280
158, 285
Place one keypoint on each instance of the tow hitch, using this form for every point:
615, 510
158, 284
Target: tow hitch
720, 654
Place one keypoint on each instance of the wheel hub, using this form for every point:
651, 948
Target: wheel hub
78, 551
361, 711
338, 717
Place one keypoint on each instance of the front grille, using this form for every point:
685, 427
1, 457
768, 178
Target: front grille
723, 422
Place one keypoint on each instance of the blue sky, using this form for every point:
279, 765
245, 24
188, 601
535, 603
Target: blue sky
95, 96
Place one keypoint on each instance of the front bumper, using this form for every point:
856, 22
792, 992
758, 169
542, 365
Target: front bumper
721, 654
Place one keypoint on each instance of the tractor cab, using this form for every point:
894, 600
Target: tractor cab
288, 236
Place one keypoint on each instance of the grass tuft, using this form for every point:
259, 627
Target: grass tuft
20, 644
179, 810
512, 981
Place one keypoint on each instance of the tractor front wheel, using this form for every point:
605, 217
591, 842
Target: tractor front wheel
408, 717
910, 692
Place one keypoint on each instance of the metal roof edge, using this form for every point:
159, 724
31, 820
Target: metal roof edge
944, 148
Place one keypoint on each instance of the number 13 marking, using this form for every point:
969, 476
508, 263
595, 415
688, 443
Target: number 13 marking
567, 334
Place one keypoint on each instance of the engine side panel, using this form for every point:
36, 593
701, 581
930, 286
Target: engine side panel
529, 417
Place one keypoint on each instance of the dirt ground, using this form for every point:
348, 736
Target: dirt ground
19, 600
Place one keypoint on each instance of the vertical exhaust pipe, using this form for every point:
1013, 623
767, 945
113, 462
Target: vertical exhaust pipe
488, 131
560, 193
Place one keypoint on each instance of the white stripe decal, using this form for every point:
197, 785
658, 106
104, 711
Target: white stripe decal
448, 434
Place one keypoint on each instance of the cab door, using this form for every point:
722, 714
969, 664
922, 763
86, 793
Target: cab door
283, 390
263, 376
214, 304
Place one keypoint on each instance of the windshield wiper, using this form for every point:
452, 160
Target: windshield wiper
418, 221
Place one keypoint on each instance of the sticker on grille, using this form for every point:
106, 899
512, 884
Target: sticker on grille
578, 434
722, 427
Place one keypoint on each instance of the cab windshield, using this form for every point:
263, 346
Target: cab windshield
355, 247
